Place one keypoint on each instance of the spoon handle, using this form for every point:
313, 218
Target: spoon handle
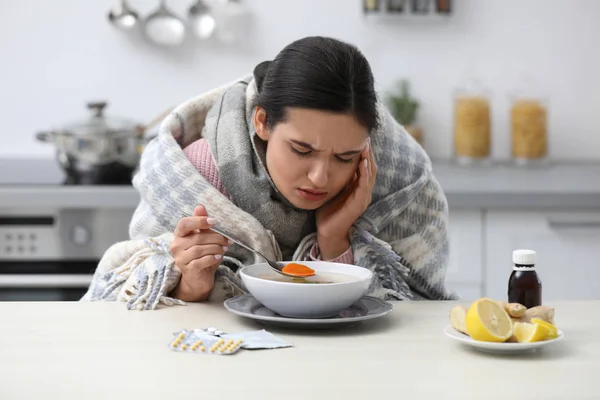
235, 240
273, 264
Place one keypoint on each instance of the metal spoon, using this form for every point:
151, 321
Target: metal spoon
123, 16
276, 266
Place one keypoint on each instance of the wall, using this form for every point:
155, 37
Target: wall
56, 55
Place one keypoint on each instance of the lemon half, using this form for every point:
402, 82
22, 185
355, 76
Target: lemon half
488, 322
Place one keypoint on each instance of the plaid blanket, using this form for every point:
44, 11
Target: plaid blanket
402, 237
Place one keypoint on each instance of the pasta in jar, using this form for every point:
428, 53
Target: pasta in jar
529, 129
472, 127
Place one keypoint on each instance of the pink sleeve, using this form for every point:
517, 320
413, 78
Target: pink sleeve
346, 257
202, 159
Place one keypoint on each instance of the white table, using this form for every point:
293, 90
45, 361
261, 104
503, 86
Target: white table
102, 351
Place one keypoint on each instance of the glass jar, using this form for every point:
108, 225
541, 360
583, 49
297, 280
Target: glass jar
472, 123
529, 124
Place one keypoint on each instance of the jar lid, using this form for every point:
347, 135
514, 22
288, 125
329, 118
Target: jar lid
471, 85
527, 88
524, 257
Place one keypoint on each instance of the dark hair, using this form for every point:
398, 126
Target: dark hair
317, 73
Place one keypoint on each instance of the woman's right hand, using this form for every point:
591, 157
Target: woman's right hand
197, 251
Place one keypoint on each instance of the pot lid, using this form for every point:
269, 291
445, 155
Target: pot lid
98, 123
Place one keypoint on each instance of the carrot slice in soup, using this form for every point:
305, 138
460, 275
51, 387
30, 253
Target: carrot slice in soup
298, 270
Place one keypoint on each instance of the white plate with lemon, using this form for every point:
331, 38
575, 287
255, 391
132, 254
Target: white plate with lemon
497, 327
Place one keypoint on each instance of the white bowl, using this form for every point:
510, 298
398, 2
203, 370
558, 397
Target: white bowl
301, 300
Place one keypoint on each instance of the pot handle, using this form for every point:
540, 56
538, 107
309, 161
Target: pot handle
44, 136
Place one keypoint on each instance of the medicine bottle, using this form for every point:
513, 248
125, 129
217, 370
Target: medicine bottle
524, 284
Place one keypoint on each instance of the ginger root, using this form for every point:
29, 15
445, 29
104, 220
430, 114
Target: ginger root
513, 309
516, 310
544, 313
458, 315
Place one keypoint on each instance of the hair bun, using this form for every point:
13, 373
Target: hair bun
260, 71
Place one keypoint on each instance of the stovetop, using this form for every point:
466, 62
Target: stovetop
40, 184
33, 171
39, 172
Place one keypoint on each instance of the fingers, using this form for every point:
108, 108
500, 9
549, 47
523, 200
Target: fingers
203, 238
366, 174
199, 220
363, 174
181, 244
205, 252
200, 211
188, 225
194, 231
371, 171
372, 166
372, 175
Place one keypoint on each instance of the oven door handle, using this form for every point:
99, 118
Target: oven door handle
45, 281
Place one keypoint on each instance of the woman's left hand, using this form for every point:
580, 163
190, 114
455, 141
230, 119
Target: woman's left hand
335, 218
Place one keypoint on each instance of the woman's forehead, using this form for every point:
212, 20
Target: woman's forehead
323, 128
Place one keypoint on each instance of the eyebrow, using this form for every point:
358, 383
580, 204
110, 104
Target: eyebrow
308, 146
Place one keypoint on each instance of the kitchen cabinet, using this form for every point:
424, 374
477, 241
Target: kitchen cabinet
465, 266
567, 245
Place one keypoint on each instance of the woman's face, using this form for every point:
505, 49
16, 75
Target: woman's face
313, 155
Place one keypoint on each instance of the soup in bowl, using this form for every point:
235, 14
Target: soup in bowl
333, 288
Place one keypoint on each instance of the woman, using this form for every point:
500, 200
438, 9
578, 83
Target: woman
301, 161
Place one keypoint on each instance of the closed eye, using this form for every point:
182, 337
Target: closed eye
345, 160
309, 152
301, 153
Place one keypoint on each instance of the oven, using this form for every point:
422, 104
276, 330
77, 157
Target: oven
51, 254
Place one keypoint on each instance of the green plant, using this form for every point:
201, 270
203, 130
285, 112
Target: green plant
400, 103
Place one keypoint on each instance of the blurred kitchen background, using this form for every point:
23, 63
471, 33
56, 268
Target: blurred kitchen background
502, 94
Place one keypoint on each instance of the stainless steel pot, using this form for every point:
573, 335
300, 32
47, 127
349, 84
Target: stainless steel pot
97, 150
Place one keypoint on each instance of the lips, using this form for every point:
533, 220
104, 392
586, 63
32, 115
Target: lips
315, 192
312, 195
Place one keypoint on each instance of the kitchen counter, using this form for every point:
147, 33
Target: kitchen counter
34, 183
101, 350
506, 186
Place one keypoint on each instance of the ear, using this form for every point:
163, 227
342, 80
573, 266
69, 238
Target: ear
260, 123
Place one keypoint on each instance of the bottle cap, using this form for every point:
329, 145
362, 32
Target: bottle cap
524, 257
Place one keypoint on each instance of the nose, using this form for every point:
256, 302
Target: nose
318, 174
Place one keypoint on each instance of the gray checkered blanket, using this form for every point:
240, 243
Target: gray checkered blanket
402, 237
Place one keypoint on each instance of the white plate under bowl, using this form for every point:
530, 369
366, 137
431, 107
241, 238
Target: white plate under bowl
498, 348
301, 300
364, 309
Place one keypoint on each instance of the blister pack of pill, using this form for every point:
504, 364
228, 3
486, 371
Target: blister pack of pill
203, 343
